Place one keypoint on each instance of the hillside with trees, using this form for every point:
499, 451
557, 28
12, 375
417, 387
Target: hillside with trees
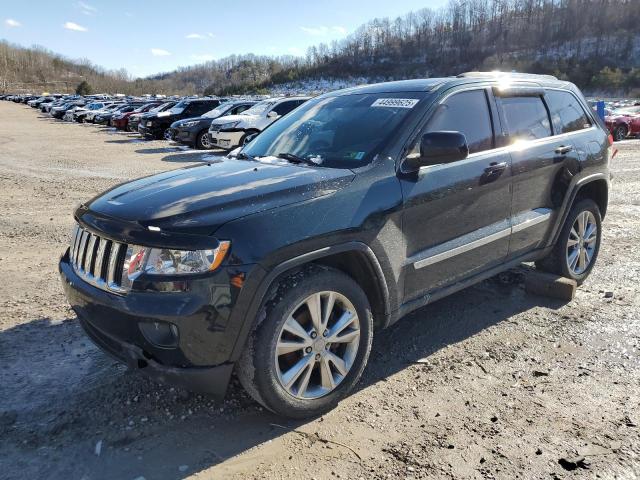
594, 43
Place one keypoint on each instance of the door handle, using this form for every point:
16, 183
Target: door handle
563, 150
495, 167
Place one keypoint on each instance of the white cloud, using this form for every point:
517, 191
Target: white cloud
199, 36
87, 9
323, 30
75, 27
10, 22
159, 52
204, 57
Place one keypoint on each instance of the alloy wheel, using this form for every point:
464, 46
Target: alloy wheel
582, 242
167, 134
206, 143
317, 345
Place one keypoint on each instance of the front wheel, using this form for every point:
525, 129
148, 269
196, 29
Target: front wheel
311, 346
202, 140
576, 250
620, 133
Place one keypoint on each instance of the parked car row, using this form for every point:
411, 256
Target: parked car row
202, 123
622, 118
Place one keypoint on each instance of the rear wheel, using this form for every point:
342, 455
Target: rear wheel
312, 345
576, 250
167, 134
620, 133
202, 140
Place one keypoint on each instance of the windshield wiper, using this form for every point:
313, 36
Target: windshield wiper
245, 156
293, 158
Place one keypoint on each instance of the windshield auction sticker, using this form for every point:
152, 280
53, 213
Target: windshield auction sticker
395, 102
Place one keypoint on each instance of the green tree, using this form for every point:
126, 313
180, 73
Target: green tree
83, 88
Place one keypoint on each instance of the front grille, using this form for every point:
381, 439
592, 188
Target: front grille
97, 260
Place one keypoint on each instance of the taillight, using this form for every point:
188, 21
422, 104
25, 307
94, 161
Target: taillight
610, 140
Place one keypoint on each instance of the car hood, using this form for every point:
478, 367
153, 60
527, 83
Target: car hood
245, 120
199, 199
179, 123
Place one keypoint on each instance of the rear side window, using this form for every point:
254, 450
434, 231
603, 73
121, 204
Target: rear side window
566, 112
526, 117
467, 113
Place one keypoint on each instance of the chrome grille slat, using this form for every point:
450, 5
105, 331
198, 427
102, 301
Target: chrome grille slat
113, 263
91, 245
97, 260
82, 250
74, 244
97, 271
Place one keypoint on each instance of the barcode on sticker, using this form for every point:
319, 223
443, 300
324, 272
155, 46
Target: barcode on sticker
395, 102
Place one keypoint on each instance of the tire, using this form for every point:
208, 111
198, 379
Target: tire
202, 140
560, 259
263, 371
620, 133
247, 137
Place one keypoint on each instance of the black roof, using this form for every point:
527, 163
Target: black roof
430, 84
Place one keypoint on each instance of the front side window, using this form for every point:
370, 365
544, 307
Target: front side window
526, 118
341, 131
467, 113
285, 107
566, 112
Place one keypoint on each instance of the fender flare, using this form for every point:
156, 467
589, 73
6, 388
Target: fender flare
570, 198
267, 281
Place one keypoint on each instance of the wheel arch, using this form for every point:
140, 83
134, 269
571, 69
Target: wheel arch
355, 259
595, 187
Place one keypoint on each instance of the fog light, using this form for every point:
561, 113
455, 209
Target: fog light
160, 334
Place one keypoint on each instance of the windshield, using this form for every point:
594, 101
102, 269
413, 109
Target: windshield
343, 131
178, 108
259, 108
162, 107
218, 111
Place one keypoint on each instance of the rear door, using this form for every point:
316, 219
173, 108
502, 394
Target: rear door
541, 164
456, 215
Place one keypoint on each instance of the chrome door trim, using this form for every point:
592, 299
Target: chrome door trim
434, 254
536, 217
430, 260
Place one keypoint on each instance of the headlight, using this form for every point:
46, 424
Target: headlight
149, 123
165, 261
192, 123
229, 126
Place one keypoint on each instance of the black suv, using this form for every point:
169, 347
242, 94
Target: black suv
157, 126
354, 209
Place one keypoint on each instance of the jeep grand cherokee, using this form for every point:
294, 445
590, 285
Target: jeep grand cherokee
351, 211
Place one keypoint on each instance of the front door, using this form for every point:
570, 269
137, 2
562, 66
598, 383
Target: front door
456, 216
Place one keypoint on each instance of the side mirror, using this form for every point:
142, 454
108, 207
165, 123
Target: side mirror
272, 114
437, 148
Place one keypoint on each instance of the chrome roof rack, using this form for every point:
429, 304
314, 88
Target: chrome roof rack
497, 73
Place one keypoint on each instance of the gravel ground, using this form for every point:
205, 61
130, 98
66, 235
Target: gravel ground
488, 383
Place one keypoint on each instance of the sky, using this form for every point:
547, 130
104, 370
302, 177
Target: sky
151, 37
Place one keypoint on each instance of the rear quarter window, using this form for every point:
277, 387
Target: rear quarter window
567, 113
526, 118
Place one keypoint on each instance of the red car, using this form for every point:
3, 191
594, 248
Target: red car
624, 122
121, 121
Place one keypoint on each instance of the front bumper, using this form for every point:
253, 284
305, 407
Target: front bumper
226, 140
183, 135
208, 314
150, 132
